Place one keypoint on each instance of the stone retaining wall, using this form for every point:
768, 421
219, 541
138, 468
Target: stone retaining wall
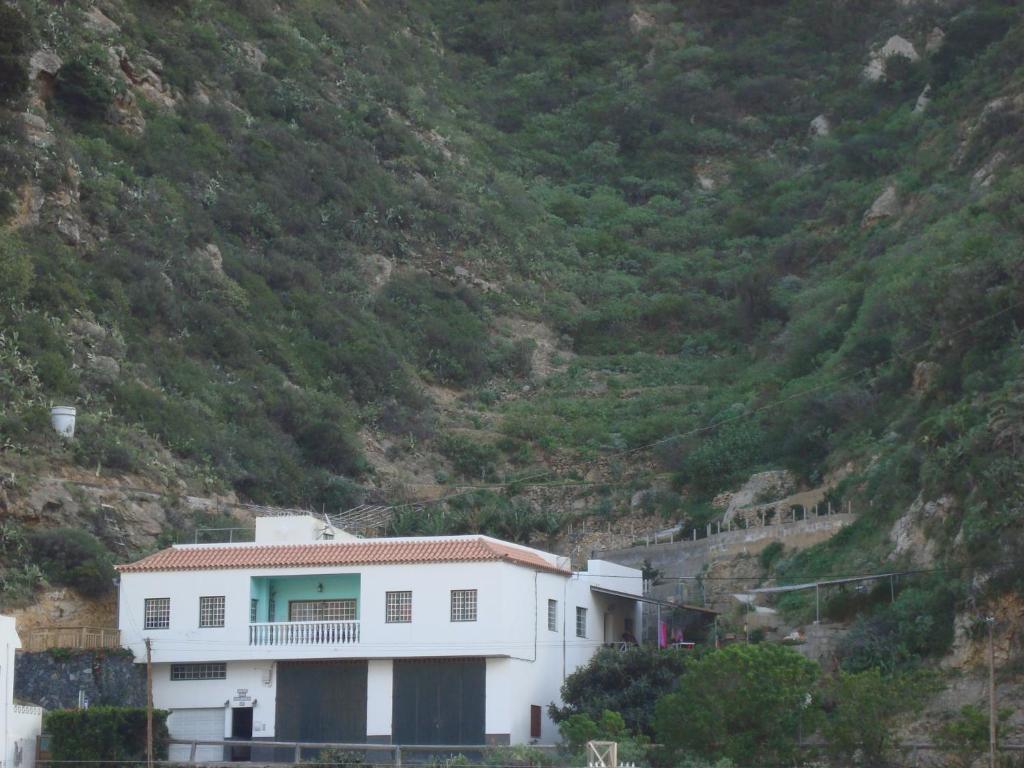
53, 679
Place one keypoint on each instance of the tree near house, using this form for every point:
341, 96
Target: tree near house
744, 702
628, 682
864, 707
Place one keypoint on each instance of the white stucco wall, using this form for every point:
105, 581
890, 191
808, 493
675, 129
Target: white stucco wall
255, 681
526, 662
19, 725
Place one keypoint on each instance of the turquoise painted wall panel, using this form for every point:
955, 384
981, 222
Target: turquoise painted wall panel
288, 588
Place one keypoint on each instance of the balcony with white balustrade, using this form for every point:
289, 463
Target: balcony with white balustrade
303, 634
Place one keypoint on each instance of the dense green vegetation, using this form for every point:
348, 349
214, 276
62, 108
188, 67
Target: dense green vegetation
104, 734
746, 705
281, 245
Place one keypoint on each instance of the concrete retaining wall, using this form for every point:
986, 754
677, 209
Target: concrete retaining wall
688, 558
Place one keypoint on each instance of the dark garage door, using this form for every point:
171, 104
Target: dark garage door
439, 701
321, 701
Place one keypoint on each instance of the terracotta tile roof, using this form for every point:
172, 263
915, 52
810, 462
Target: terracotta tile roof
368, 552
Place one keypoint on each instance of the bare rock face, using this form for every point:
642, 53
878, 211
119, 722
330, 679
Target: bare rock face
894, 46
820, 127
43, 62
908, 534
886, 205
143, 76
761, 487
69, 229
31, 199
923, 100
89, 338
986, 174
97, 21
210, 255
37, 131
640, 20
925, 375
201, 94
254, 56
1002, 114
936, 39
124, 112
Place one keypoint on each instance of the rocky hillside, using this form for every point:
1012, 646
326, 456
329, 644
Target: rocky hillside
547, 261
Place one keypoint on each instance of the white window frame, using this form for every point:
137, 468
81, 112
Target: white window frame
581, 621
398, 607
156, 612
463, 605
552, 615
211, 611
343, 609
217, 670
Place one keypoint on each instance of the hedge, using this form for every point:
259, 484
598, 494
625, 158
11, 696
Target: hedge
105, 734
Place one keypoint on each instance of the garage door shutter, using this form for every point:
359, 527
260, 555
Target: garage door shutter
439, 701
196, 724
321, 701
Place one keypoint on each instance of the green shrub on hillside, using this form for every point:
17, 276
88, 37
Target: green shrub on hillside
73, 558
15, 37
83, 89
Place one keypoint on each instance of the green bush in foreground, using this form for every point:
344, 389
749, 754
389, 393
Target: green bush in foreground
104, 734
744, 702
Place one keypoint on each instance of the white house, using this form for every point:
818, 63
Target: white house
309, 634
19, 725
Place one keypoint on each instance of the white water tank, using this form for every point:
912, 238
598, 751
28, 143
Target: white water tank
62, 417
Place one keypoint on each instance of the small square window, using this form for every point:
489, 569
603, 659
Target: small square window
398, 607
211, 611
552, 615
581, 622
157, 613
463, 605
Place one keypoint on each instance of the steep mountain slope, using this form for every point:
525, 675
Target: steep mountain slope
308, 253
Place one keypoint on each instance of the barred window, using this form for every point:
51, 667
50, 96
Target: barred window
463, 605
211, 611
552, 615
157, 613
398, 607
322, 610
581, 622
213, 671
254, 610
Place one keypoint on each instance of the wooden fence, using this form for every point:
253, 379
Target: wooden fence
84, 638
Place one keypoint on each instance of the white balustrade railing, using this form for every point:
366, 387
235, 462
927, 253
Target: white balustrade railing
292, 633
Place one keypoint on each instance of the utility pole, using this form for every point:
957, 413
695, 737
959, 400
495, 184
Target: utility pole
149, 703
990, 620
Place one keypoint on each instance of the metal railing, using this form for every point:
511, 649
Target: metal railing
289, 633
84, 638
303, 751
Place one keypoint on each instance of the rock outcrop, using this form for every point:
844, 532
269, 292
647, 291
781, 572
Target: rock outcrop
820, 127
894, 46
909, 533
886, 206
761, 487
37, 131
